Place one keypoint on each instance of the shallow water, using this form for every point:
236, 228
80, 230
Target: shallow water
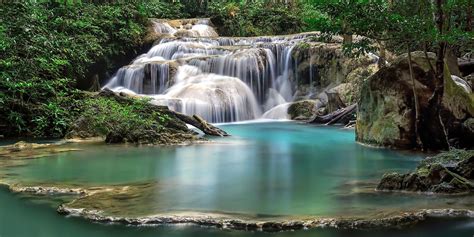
265, 170
20, 217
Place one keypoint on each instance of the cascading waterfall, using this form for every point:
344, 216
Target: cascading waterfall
221, 79
212, 96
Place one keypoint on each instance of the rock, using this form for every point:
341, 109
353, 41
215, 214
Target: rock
22, 145
448, 172
386, 114
391, 181
31, 150
462, 83
470, 79
303, 110
320, 66
80, 129
466, 64
160, 126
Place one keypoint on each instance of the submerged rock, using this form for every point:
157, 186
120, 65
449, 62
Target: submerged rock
32, 150
450, 172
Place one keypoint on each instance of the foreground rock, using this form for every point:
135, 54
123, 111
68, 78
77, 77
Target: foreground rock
386, 111
450, 172
225, 222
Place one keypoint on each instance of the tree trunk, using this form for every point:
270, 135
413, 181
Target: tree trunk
415, 97
200, 123
452, 62
334, 102
338, 116
436, 126
383, 54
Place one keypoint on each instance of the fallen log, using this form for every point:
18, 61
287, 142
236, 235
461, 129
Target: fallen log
200, 123
337, 116
194, 120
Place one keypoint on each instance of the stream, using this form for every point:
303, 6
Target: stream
266, 171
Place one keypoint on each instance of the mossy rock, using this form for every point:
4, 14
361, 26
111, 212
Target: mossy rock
320, 65
121, 118
386, 110
302, 110
448, 172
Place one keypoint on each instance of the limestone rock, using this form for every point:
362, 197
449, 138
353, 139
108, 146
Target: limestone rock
462, 83
320, 66
303, 110
449, 172
386, 111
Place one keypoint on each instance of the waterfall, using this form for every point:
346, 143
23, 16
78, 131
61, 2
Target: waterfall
215, 97
222, 79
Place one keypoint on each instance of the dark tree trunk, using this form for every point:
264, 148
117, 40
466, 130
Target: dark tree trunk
434, 134
415, 97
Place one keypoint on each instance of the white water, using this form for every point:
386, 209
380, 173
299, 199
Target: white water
219, 78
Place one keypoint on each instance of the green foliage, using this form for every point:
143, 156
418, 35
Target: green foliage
255, 18
105, 115
397, 23
160, 9
46, 47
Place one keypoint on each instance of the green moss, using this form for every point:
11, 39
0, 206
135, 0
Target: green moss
452, 156
423, 171
383, 129
302, 109
303, 46
456, 98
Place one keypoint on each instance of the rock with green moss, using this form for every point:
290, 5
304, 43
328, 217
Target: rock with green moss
320, 66
449, 172
304, 110
125, 119
386, 110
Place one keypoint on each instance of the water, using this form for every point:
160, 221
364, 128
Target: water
265, 170
221, 79
276, 169
20, 216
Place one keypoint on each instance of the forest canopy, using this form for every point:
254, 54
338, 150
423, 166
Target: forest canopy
47, 46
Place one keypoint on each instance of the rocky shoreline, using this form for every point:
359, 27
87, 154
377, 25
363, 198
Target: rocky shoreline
224, 222
448, 173
389, 220
242, 222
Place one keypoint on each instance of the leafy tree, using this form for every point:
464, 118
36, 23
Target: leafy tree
47, 46
416, 25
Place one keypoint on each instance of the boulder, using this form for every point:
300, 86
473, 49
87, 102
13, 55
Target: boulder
448, 172
320, 66
386, 110
303, 110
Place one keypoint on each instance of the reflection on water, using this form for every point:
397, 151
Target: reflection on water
22, 217
263, 169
